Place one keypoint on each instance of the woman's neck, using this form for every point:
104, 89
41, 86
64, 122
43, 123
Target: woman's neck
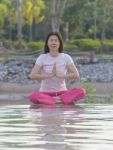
54, 54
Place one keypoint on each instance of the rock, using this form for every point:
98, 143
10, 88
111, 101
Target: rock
18, 71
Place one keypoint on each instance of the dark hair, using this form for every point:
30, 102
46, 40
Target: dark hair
46, 48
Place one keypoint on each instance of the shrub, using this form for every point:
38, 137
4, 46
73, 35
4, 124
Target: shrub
17, 46
68, 45
88, 44
36, 45
6, 43
108, 44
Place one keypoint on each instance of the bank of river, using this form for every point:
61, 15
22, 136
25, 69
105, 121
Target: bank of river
17, 71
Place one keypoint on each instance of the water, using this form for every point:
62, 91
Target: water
82, 127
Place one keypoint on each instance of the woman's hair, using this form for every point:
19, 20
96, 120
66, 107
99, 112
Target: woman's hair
46, 48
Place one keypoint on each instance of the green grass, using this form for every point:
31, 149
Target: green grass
104, 57
97, 100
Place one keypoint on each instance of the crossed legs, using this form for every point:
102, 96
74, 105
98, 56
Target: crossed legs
50, 98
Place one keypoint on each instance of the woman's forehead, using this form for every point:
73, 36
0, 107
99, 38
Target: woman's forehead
53, 37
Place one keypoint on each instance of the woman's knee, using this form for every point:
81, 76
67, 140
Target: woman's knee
33, 95
79, 90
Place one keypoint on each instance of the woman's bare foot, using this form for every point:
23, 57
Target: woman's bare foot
57, 99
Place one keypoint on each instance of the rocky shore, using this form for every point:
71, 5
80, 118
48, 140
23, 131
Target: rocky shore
17, 71
15, 85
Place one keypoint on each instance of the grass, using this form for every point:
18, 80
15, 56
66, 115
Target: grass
104, 57
89, 99
74, 52
92, 97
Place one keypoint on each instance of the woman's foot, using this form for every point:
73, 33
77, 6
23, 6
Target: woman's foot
57, 99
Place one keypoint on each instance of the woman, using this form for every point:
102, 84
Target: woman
53, 68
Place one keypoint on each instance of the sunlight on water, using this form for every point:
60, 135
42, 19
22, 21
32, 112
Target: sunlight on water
82, 127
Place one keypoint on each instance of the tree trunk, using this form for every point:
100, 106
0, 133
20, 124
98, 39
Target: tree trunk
19, 21
67, 31
54, 20
103, 35
57, 11
30, 34
95, 20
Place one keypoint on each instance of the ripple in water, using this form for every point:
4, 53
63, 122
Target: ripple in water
82, 127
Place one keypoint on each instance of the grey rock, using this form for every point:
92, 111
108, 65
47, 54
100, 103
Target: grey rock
18, 71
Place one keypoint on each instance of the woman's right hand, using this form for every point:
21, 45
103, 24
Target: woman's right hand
54, 70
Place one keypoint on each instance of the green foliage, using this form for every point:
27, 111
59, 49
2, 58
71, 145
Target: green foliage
91, 97
69, 45
6, 43
110, 99
13, 44
32, 11
3, 13
88, 44
80, 35
17, 45
108, 44
36, 45
86, 19
88, 89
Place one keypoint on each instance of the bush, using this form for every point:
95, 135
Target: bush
36, 45
80, 35
6, 43
88, 44
17, 46
108, 44
68, 45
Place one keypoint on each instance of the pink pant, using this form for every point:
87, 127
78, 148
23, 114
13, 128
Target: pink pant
66, 97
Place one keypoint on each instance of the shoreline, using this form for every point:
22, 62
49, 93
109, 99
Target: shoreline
6, 87
17, 93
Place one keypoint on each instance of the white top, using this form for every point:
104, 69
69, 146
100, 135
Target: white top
62, 61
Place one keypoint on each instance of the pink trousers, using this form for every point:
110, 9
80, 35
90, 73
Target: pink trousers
66, 97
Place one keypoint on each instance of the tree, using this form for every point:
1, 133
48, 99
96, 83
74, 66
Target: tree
11, 18
19, 21
57, 11
3, 14
32, 13
73, 15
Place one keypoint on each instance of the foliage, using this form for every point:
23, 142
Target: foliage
3, 13
70, 46
88, 44
84, 82
32, 11
91, 97
16, 45
108, 44
36, 45
95, 45
85, 18
6, 43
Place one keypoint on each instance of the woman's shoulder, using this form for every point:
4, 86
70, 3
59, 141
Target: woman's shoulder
65, 55
42, 56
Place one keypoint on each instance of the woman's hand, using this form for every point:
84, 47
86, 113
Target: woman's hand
53, 74
56, 73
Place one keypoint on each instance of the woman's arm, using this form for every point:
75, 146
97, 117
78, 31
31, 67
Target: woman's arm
73, 73
37, 75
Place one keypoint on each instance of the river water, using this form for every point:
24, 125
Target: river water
80, 127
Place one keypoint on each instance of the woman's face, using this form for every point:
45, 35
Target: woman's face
53, 43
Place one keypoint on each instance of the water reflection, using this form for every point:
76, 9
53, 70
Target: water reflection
53, 120
67, 127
